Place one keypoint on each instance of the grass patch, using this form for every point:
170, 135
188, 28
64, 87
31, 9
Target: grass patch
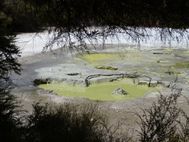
101, 91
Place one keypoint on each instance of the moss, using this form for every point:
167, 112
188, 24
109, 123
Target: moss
181, 65
99, 58
106, 67
102, 91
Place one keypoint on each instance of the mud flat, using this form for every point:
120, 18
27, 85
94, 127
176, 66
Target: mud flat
156, 70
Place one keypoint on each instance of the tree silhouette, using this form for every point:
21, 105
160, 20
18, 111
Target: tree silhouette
8, 63
8, 51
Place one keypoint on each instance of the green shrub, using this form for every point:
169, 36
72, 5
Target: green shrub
162, 121
69, 124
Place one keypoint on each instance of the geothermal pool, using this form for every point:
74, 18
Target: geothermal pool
155, 69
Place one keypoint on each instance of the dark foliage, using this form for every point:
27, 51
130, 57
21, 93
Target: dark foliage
158, 123
8, 51
164, 121
8, 56
9, 118
77, 14
68, 124
9, 122
23, 17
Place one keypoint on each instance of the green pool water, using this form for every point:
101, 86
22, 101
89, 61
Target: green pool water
101, 91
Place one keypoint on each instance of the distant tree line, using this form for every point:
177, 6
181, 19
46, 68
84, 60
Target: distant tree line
102, 18
114, 13
78, 15
22, 15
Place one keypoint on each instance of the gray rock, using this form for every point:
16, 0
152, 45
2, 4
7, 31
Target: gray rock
119, 91
41, 81
143, 82
153, 83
